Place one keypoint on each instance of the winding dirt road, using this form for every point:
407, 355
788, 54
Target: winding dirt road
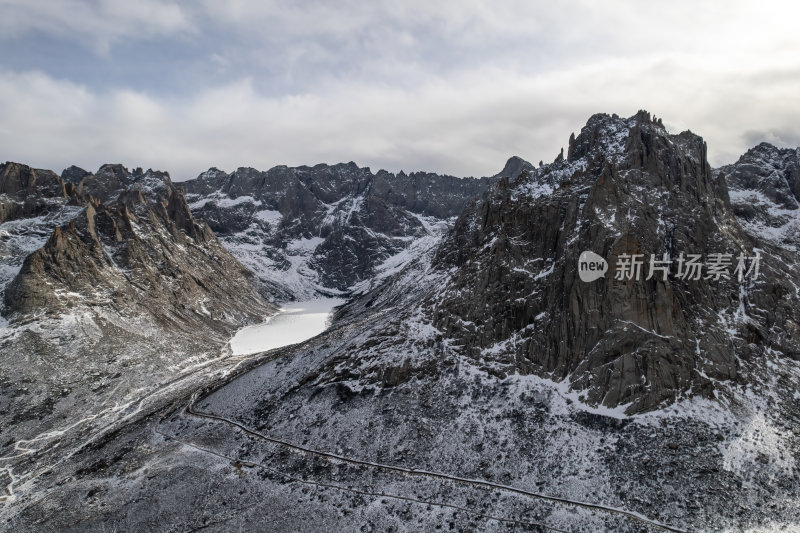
191, 410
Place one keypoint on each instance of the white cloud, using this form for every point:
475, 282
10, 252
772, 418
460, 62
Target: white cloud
467, 124
448, 86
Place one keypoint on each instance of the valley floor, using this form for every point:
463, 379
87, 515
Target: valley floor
245, 447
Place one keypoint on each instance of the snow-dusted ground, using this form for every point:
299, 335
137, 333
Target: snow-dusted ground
297, 322
776, 225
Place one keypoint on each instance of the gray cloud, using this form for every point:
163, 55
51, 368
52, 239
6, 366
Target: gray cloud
783, 138
454, 87
97, 23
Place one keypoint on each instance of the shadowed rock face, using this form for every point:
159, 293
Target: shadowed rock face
26, 191
74, 174
296, 189
775, 172
19, 181
514, 299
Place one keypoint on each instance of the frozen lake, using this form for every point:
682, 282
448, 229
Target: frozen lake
296, 322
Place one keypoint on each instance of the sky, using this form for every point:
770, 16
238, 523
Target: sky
454, 87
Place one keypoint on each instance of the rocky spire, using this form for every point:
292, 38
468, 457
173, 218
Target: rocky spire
639, 190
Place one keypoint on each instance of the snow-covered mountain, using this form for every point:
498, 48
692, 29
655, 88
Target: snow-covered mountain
627, 188
764, 188
105, 306
326, 229
475, 381
115, 299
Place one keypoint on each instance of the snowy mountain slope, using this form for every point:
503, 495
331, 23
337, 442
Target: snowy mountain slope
675, 399
106, 306
504, 291
109, 273
324, 229
258, 450
764, 188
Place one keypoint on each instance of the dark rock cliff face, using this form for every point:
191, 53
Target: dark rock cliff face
26, 191
775, 172
74, 174
514, 300
19, 181
323, 228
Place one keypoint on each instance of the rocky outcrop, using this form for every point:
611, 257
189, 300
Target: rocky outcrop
19, 181
514, 167
504, 289
74, 174
627, 187
140, 257
26, 191
426, 194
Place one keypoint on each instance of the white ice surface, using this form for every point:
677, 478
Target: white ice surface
296, 322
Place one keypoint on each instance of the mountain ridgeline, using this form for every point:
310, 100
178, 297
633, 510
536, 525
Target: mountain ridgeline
509, 296
472, 367
502, 289
324, 228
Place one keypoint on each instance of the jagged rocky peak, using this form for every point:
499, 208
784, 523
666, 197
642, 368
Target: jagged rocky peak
324, 227
178, 211
72, 260
330, 183
26, 191
137, 255
772, 171
426, 193
74, 174
106, 304
514, 167
209, 181
301, 187
18, 181
638, 136
112, 179
628, 187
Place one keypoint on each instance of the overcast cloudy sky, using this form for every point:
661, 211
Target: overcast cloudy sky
448, 86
